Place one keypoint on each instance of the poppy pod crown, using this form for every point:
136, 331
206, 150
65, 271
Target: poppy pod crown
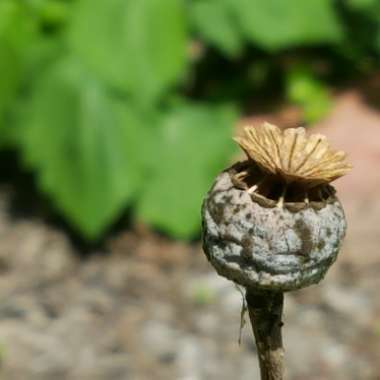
293, 156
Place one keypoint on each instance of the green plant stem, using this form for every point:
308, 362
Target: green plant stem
265, 312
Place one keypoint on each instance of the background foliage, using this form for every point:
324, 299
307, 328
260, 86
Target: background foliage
129, 104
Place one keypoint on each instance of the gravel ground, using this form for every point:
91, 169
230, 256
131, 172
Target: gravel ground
144, 307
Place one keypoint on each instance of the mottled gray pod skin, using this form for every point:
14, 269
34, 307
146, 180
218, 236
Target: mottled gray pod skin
269, 248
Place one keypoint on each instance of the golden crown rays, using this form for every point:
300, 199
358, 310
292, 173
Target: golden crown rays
292, 155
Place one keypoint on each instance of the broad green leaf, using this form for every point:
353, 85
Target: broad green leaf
193, 146
279, 24
84, 145
137, 46
214, 21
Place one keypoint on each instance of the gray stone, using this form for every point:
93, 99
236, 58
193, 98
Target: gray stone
159, 339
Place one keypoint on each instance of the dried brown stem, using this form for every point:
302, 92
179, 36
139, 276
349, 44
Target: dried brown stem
265, 312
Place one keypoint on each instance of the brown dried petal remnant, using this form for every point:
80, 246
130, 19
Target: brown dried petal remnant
293, 156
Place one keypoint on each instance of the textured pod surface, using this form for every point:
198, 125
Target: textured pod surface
269, 247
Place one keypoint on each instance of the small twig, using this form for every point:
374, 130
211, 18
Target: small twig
243, 311
265, 312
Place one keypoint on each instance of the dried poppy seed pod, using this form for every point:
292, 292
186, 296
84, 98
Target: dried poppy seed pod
273, 222
253, 241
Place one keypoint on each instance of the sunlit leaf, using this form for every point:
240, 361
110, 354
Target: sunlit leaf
278, 24
18, 32
194, 144
10, 69
84, 145
307, 91
214, 21
137, 46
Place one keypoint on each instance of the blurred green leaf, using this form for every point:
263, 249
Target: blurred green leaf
361, 4
307, 91
194, 144
18, 31
279, 24
138, 46
18, 24
10, 69
51, 12
214, 21
10, 10
84, 145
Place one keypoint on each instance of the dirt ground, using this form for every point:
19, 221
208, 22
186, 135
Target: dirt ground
144, 307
